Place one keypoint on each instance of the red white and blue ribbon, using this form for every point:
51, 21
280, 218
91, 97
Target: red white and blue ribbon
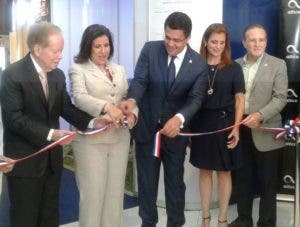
90, 132
156, 149
289, 131
63, 140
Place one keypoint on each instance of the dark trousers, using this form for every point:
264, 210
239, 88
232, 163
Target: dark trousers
4, 204
266, 165
34, 201
148, 168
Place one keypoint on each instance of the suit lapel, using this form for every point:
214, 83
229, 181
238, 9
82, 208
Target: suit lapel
52, 86
96, 72
163, 64
260, 71
183, 71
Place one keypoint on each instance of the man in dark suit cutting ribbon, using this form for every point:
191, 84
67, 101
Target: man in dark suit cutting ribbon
169, 85
33, 97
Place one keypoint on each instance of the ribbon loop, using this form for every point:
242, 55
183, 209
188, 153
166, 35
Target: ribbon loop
290, 130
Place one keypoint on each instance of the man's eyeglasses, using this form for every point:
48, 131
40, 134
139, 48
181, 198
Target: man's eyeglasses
169, 39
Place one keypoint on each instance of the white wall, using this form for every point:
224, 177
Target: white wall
151, 14
140, 26
126, 35
74, 16
77, 15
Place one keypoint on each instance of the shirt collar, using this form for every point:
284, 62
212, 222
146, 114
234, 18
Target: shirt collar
36, 65
180, 56
257, 61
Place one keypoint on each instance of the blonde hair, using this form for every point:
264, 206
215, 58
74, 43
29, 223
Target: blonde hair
39, 34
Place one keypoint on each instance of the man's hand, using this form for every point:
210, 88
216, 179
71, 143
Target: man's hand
102, 122
7, 167
172, 127
253, 120
131, 119
127, 106
59, 133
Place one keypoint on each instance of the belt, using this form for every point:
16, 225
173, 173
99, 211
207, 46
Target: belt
214, 113
223, 114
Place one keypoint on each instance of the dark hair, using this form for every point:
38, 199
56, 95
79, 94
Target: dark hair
90, 33
179, 21
251, 26
217, 28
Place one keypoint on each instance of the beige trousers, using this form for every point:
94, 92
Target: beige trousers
100, 171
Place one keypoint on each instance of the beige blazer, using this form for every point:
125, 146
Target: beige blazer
268, 96
92, 90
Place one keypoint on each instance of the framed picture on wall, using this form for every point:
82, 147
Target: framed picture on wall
44, 11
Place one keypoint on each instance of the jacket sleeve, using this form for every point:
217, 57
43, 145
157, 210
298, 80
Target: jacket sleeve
70, 112
196, 94
279, 93
83, 100
14, 116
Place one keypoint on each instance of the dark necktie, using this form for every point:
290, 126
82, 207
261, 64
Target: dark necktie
171, 72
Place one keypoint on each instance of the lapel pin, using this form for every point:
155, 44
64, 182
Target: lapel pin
190, 61
266, 64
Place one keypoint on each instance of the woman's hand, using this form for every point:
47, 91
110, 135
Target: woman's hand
115, 114
253, 120
233, 138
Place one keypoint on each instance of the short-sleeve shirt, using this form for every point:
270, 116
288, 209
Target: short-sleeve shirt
228, 81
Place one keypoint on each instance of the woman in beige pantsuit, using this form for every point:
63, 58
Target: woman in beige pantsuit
97, 87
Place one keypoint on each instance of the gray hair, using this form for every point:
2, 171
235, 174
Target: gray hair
251, 26
39, 34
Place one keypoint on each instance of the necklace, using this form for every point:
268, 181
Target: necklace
210, 90
107, 72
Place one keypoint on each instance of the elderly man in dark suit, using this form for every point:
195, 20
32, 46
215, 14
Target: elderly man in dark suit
266, 95
170, 82
33, 97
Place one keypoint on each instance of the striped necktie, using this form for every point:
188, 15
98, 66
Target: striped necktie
44, 82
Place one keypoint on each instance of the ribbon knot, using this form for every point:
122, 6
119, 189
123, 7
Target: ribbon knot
291, 129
